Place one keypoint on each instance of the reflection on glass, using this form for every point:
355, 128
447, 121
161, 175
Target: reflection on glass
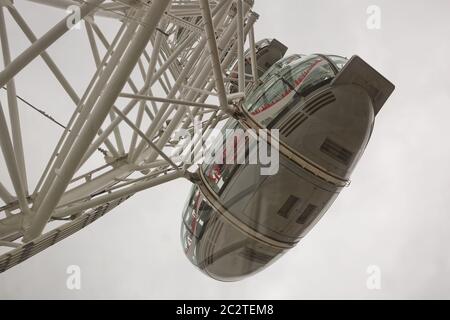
297, 79
280, 65
232, 148
340, 62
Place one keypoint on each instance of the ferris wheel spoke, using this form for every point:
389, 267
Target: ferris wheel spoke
153, 75
38, 46
7, 148
5, 195
45, 56
101, 110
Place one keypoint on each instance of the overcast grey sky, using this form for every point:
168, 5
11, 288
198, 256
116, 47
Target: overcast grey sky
395, 215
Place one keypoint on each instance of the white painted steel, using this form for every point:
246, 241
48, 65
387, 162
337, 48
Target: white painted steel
182, 52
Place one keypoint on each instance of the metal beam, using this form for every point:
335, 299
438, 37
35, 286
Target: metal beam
214, 51
241, 41
171, 101
43, 43
144, 137
119, 194
5, 195
13, 107
253, 53
11, 163
100, 112
91, 96
45, 56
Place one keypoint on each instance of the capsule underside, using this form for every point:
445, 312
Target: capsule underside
237, 221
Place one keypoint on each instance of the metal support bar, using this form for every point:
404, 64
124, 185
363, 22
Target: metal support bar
171, 101
215, 59
5, 195
93, 44
163, 112
227, 59
55, 161
43, 43
13, 108
97, 85
119, 194
241, 41
100, 112
148, 78
10, 225
45, 56
179, 76
118, 137
143, 136
200, 78
11, 163
9, 244
253, 53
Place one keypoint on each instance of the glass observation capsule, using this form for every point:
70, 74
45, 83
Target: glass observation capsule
236, 221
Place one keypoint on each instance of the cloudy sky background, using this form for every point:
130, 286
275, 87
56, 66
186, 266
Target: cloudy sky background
395, 215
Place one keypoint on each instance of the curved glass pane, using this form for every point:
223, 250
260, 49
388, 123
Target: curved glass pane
280, 65
297, 79
339, 61
221, 251
197, 214
233, 148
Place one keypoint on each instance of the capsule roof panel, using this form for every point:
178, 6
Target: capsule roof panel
360, 73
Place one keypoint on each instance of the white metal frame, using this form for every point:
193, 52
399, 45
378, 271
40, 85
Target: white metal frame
184, 49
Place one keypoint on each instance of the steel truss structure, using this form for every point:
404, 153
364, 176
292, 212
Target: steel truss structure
183, 51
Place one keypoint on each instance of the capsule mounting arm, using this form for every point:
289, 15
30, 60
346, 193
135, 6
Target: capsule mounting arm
358, 72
